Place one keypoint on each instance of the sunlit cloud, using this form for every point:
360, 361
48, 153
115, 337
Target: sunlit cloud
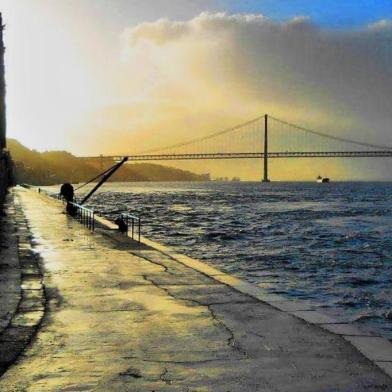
250, 61
383, 24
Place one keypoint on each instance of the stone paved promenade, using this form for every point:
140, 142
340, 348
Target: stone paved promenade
120, 317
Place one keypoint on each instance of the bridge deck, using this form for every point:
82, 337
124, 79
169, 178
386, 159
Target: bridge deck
249, 155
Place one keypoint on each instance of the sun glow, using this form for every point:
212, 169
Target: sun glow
51, 81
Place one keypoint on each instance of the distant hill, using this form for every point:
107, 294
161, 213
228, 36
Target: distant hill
55, 167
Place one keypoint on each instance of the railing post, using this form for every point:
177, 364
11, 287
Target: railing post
127, 224
84, 215
131, 222
265, 178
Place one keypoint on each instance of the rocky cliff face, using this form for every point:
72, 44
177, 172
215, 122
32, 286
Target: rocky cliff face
56, 167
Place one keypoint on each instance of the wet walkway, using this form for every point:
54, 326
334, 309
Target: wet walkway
124, 318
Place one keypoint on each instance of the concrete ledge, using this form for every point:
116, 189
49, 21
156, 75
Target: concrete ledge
314, 317
386, 367
375, 348
345, 330
294, 305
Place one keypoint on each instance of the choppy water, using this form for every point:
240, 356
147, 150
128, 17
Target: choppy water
330, 243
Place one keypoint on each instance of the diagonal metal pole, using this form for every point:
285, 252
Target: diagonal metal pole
104, 179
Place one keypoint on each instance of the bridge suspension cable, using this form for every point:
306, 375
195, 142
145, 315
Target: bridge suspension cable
203, 138
329, 136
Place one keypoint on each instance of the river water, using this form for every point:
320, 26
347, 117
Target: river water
329, 243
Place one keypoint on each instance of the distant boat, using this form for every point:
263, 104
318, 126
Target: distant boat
322, 179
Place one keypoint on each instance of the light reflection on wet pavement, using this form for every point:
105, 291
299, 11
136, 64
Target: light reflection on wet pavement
125, 317
330, 243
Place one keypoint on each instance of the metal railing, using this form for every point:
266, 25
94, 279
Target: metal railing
132, 221
84, 215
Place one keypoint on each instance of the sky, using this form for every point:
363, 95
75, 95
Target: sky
120, 76
332, 14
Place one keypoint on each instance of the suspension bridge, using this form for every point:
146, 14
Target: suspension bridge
265, 137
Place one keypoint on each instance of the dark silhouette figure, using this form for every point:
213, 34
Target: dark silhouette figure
67, 191
122, 224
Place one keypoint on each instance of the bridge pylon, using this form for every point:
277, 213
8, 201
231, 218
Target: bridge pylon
265, 157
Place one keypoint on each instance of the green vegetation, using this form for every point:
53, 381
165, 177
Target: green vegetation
55, 167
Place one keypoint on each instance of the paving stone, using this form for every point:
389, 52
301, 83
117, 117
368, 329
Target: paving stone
292, 306
207, 294
31, 304
315, 317
179, 279
31, 284
24, 246
386, 366
30, 270
196, 264
33, 294
10, 260
346, 329
375, 348
9, 351
27, 319
25, 254
10, 287
9, 273
248, 289
28, 265
4, 321
21, 333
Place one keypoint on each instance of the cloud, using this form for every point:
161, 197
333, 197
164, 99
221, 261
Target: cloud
216, 69
383, 24
288, 64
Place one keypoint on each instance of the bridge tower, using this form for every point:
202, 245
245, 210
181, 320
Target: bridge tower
265, 158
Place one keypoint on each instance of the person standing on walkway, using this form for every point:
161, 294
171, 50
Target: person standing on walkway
67, 191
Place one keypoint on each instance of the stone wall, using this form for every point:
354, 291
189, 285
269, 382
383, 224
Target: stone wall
6, 174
